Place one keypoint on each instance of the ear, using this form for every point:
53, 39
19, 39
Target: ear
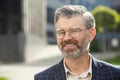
92, 34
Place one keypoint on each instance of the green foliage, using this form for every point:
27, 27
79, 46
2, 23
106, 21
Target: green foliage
3, 78
118, 28
94, 46
115, 60
106, 18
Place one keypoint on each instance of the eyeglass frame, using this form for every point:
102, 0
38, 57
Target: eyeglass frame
70, 32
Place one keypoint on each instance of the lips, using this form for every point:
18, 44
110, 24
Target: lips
69, 47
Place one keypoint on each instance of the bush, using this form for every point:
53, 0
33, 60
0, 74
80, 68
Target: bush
106, 18
3, 78
118, 28
115, 60
94, 46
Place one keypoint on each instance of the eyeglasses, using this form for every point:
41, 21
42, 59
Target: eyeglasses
73, 32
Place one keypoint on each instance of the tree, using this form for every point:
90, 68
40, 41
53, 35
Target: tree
118, 28
106, 18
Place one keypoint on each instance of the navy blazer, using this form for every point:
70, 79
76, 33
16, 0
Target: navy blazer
100, 71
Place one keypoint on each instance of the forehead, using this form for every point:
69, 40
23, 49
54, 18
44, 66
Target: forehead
75, 21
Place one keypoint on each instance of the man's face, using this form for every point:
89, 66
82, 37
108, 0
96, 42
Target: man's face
73, 43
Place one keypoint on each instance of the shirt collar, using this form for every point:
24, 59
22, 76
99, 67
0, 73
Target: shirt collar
83, 75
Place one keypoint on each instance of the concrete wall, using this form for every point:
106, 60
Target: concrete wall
34, 25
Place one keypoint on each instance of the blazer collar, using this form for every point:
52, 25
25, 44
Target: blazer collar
60, 72
96, 65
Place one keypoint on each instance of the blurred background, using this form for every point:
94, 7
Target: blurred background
27, 41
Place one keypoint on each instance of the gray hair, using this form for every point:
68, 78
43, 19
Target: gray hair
74, 10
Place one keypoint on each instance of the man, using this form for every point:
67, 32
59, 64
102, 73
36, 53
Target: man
75, 30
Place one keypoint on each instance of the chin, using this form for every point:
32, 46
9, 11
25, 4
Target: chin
72, 54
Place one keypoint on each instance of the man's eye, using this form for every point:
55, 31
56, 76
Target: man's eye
74, 31
60, 32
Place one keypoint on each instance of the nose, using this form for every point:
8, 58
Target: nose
67, 37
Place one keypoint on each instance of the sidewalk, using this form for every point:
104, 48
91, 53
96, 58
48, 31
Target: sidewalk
19, 72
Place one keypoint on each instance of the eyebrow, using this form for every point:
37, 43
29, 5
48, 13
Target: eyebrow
74, 28
59, 29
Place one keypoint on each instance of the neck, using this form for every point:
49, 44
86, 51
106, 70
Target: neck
78, 65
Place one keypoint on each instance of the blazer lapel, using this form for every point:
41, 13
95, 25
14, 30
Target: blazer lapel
60, 72
96, 65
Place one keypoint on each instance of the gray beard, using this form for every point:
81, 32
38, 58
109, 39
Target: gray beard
74, 54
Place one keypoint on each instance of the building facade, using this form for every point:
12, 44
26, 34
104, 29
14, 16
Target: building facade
21, 23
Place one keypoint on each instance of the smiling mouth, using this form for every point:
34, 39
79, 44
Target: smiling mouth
69, 47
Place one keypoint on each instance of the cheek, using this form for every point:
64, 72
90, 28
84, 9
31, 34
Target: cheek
85, 41
81, 40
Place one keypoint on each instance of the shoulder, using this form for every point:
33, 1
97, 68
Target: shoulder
49, 73
106, 68
46, 73
110, 70
110, 66
104, 71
